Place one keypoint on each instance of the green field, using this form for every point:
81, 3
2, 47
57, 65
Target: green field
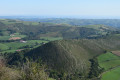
9, 51
51, 38
13, 46
19, 35
111, 64
4, 37
3, 47
15, 35
107, 57
16, 45
108, 61
112, 75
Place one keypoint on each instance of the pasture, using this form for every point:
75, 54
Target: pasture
112, 74
51, 38
13, 35
107, 57
13, 46
3, 47
111, 63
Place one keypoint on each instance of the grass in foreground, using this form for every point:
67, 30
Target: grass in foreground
111, 64
112, 75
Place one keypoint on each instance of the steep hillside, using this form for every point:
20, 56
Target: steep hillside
70, 55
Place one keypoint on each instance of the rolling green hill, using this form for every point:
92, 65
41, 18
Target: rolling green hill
35, 30
74, 51
70, 55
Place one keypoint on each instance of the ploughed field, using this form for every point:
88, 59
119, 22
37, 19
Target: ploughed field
116, 53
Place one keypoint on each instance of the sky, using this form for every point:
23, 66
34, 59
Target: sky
101, 8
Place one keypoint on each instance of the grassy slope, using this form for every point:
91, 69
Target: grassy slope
107, 57
4, 37
51, 38
67, 55
8, 37
16, 45
70, 55
112, 75
110, 63
3, 47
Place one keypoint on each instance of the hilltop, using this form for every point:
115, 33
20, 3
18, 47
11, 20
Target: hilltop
70, 55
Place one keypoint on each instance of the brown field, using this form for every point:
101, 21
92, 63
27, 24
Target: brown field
14, 38
116, 53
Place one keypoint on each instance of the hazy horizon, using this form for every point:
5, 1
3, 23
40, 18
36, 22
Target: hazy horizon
63, 8
71, 17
